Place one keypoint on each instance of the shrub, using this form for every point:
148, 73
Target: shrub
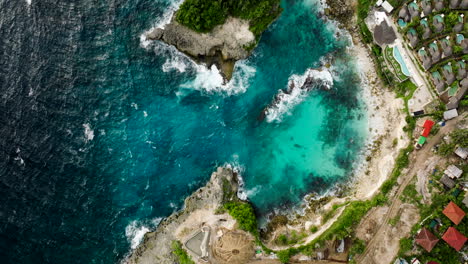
180, 253
244, 214
313, 229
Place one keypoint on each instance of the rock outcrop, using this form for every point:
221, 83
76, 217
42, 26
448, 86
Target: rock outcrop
223, 46
198, 210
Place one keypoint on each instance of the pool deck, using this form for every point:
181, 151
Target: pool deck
423, 94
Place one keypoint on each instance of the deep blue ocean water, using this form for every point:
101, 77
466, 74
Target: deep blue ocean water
103, 134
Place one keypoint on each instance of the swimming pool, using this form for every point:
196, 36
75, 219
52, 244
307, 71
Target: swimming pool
399, 58
402, 23
460, 37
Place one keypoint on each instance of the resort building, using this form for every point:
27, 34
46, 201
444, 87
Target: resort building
434, 51
404, 14
448, 74
426, 29
446, 47
459, 26
413, 9
426, 239
438, 23
426, 7
461, 73
454, 213
413, 37
454, 4
454, 238
438, 82
426, 60
439, 5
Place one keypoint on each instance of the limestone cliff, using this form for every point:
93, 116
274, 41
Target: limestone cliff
223, 46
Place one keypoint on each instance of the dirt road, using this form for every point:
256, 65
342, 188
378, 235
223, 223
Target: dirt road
417, 162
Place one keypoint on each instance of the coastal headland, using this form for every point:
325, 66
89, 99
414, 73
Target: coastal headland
288, 235
218, 32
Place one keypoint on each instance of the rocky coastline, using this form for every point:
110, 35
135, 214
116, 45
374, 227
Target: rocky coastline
223, 46
200, 209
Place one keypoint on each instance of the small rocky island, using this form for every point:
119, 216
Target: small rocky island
218, 32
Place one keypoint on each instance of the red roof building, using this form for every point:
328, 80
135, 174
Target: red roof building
427, 128
454, 213
426, 239
454, 238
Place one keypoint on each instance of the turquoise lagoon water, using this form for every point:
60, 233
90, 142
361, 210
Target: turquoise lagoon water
105, 134
399, 58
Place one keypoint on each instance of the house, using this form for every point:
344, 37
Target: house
438, 82
438, 22
461, 152
458, 26
461, 70
454, 213
413, 37
454, 4
426, 60
438, 5
464, 45
415, 261
404, 13
446, 46
426, 29
453, 171
426, 239
454, 238
413, 9
379, 3
448, 74
426, 7
447, 182
434, 50
428, 124
387, 7
454, 101
450, 114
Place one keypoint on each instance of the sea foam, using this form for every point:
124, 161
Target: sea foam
135, 231
286, 100
89, 133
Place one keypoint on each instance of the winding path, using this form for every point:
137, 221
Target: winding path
418, 158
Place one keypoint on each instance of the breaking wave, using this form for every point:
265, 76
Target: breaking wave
136, 230
298, 89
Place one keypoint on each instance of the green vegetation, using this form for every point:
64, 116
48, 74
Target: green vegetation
363, 8
313, 229
290, 239
402, 162
458, 137
244, 214
180, 253
204, 15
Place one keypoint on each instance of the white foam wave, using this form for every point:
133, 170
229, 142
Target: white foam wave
285, 101
135, 231
29, 2
89, 133
161, 22
211, 81
242, 192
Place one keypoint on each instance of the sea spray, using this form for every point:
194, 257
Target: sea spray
136, 230
298, 89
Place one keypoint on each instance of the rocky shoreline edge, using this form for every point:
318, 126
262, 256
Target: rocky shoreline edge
383, 110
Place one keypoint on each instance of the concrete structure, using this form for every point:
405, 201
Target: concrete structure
387, 7
198, 243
